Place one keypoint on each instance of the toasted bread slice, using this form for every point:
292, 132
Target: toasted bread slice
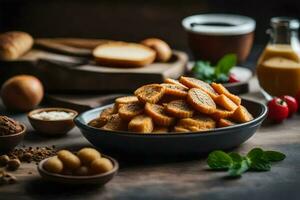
195, 83
221, 113
201, 101
130, 110
225, 102
199, 121
157, 113
224, 123
115, 123
141, 124
122, 54
151, 93
174, 90
222, 90
175, 82
241, 115
179, 109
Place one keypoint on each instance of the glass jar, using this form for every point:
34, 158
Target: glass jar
278, 68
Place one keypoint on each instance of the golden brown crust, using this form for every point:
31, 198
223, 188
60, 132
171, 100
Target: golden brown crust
196, 83
106, 114
222, 90
141, 124
201, 101
14, 44
175, 82
130, 110
126, 99
241, 115
174, 90
162, 49
115, 123
225, 102
200, 121
157, 113
225, 123
97, 123
221, 113
150, 93
179, 109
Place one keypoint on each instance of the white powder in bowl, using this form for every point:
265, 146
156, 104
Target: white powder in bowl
53, 115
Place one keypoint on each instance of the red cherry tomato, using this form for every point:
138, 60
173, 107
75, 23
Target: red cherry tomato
298, 98
292, 104
278, 110
233, 79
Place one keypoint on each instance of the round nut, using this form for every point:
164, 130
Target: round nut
13, 164
4, 160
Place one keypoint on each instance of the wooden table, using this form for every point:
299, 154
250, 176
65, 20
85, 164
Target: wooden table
176, 178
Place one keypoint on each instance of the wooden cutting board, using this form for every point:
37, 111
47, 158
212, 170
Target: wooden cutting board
66, 66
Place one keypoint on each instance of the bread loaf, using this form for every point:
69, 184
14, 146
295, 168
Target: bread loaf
162, 49
14, 44
122, 54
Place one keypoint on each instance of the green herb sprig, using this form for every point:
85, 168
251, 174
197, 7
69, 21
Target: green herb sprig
236, 164
204, 71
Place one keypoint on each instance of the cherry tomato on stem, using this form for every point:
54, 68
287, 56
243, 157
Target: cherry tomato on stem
292, 104
278, 110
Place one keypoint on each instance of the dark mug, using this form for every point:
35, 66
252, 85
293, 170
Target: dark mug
211, 36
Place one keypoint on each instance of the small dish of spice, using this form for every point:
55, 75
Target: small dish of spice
11, 133
52, 121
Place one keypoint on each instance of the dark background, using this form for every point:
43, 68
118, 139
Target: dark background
131, 20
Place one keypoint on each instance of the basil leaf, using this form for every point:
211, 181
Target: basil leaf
274, 156
260, 164
236, 158
226, 63
219, 160
255, 153
238, 168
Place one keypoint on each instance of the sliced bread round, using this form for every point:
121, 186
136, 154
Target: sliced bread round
122, 54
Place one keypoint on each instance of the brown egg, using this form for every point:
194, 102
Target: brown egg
22, 93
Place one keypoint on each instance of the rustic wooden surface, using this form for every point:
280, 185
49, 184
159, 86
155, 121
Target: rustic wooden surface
172, 178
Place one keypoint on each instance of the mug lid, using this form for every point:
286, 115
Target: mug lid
228, 24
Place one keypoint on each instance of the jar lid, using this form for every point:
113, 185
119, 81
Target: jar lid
219, 24
288, 22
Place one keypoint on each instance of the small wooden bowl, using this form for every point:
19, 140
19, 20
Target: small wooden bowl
98, 179
52, 127
9, 142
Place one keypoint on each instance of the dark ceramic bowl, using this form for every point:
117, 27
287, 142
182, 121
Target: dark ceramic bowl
99, 179
171, 143
211, 36
9, 142
52, 127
